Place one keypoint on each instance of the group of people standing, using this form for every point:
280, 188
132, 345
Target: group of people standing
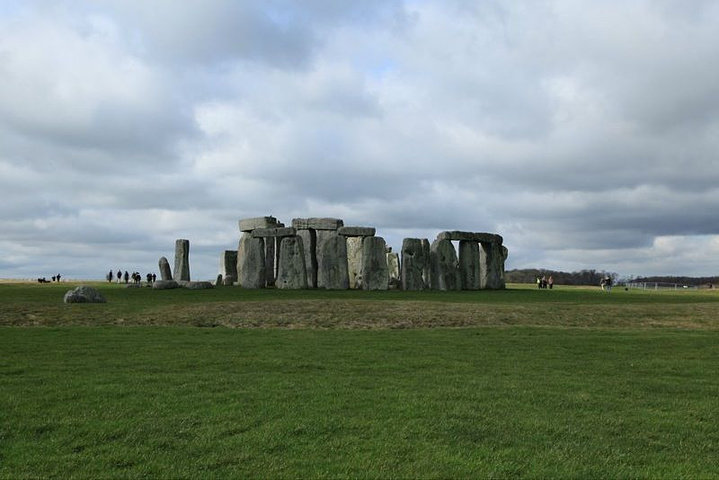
606, 284
544, 282
127, 276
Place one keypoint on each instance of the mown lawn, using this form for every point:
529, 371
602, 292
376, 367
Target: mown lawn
632, 398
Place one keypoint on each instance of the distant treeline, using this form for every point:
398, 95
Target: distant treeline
583, 277
678, 280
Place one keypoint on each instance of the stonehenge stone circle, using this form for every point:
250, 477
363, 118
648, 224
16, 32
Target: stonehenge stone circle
291, 272
182, 260
323, 253
165, 273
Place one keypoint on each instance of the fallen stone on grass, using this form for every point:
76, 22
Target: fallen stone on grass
165, 285
84, 294
196, 285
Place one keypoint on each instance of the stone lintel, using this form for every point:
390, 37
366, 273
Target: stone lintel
249, 224
470, 237
274, 232
317, 223
357, 231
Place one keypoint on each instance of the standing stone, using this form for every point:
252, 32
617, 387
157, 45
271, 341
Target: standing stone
331, 261
220, 281
447, 265
354, 261
491, 266
251, 262
427, 268
182, 261
165, 273
395, 280
291, 271
414, 264
469, 265
269, 261
309, 243
375, 274
228, 267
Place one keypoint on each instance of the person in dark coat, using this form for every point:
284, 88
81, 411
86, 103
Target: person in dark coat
127, 277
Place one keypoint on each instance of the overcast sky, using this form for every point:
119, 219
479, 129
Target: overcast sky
585, 133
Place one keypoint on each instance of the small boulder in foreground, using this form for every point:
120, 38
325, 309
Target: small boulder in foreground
84, 294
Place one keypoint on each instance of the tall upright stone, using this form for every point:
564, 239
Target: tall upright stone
491, 266
447, 265
469, 264
395, 278
375, 273
270, 261
181, 272
354, 261
228, 267
309, 244
251, 262
429, 270
165, 273
331, 261
291, 272
414, 264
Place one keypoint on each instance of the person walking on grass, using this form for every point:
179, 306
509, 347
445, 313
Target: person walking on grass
550, 282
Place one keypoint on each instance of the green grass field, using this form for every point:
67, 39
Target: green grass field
517, 383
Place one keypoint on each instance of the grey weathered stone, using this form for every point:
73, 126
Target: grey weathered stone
469, 265
375, 274
470, 236
354, 261
278, 232
491, 266
414, 263
219, 281
448, 277
427, 269
83, 294
165, 273
331, 261
165, 285
309, 244
196, 285
317, 223
228, 267
395, 280
291, 271
249, 224
251, 262
357, 231
270, 260
182, 260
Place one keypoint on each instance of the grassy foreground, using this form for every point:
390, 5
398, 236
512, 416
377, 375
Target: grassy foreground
521, 391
